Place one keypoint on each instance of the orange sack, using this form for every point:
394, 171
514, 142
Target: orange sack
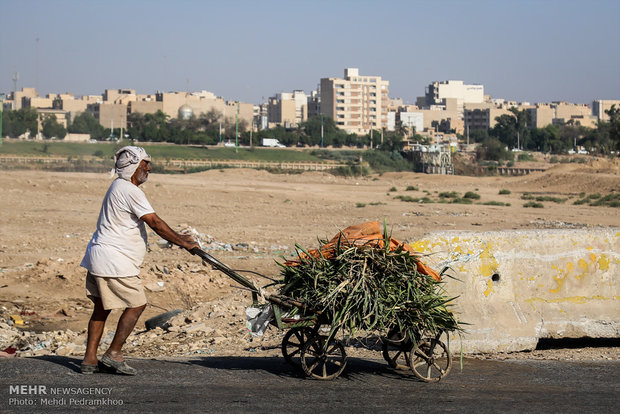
365, 234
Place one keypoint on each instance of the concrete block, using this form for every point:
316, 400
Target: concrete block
518, 286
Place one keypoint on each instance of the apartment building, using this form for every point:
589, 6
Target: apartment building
543, 114
288, 109
199, 102
438, 92
356, 103
601, 105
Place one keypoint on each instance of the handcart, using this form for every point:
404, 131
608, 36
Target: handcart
319, 355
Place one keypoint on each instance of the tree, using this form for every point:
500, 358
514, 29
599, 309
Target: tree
51, 128
86, 123
614, 128
494, 150
17, 122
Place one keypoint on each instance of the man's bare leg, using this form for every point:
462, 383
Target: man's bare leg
95, 330
126, 323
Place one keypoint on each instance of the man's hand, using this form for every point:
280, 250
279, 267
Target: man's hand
160, 227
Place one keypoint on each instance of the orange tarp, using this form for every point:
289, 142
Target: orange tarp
365, 234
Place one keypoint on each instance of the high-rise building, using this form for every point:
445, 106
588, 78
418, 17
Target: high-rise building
356, 103
437, 92
288, 109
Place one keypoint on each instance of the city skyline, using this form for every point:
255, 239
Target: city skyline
535, 51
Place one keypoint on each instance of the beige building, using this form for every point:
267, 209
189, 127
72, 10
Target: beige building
543, 114
356, 103
199, 102
601, 105
288, 109
437, 93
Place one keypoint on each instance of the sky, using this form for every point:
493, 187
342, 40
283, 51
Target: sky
525, 50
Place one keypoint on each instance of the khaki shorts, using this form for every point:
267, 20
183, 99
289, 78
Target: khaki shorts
116, 292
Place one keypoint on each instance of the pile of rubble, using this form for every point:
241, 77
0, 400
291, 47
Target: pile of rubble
216, 327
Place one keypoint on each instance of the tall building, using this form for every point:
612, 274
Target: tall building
437, 92
356, 103
288, 109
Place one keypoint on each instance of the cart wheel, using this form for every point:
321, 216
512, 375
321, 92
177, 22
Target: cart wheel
431, 360
293, 342
320, 362
396, 356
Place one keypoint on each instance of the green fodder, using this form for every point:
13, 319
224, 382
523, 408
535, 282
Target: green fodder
370, 289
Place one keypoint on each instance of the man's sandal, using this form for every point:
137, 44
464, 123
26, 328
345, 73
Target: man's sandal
89, 369
119, 367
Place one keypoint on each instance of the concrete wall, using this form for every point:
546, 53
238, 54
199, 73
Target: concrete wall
518, 286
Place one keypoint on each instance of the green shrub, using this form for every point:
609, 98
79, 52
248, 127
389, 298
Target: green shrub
502, 192
360, 205
411, 188
526, 156
495, 203
533, 204
554, 160
451, 194
472, 195
393, 189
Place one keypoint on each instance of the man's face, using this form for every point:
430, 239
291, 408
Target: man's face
142, 173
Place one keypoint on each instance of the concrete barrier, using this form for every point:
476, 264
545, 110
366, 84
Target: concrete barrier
516, 287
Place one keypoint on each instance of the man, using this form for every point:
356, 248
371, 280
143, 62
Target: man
114, 255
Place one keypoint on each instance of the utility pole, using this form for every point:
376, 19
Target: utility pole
1, 105
322, 134
237, 129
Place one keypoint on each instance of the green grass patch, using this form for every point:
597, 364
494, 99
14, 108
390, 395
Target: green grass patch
504, 192
495, 203
360, 205
159, 152
393, 189
528, 196
412, 188
533, 204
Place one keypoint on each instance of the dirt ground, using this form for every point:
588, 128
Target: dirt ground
248, 219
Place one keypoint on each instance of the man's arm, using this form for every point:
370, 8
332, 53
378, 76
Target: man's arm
160, 227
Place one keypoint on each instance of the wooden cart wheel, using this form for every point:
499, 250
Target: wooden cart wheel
320, 362
430, 360
397, 356
293, 342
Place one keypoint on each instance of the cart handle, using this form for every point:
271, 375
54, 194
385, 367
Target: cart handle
217, 265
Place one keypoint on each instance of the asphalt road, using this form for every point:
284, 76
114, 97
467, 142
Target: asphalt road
267, 385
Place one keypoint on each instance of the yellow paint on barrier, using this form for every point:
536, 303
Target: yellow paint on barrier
421, 246
572, 299
583, 265
489, 288
603, 263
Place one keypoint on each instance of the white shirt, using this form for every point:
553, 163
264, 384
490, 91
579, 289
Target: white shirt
118, 246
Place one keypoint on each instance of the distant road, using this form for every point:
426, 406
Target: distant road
268, 385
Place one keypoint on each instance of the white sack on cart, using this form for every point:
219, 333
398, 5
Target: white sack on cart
257, 319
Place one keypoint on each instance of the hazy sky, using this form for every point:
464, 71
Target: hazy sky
245, 50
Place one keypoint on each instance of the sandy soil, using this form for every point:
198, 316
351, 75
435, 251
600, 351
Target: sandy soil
47, 219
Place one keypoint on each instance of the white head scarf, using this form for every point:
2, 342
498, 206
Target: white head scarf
126, 161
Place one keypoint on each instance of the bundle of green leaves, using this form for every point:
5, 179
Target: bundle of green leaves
370, 289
